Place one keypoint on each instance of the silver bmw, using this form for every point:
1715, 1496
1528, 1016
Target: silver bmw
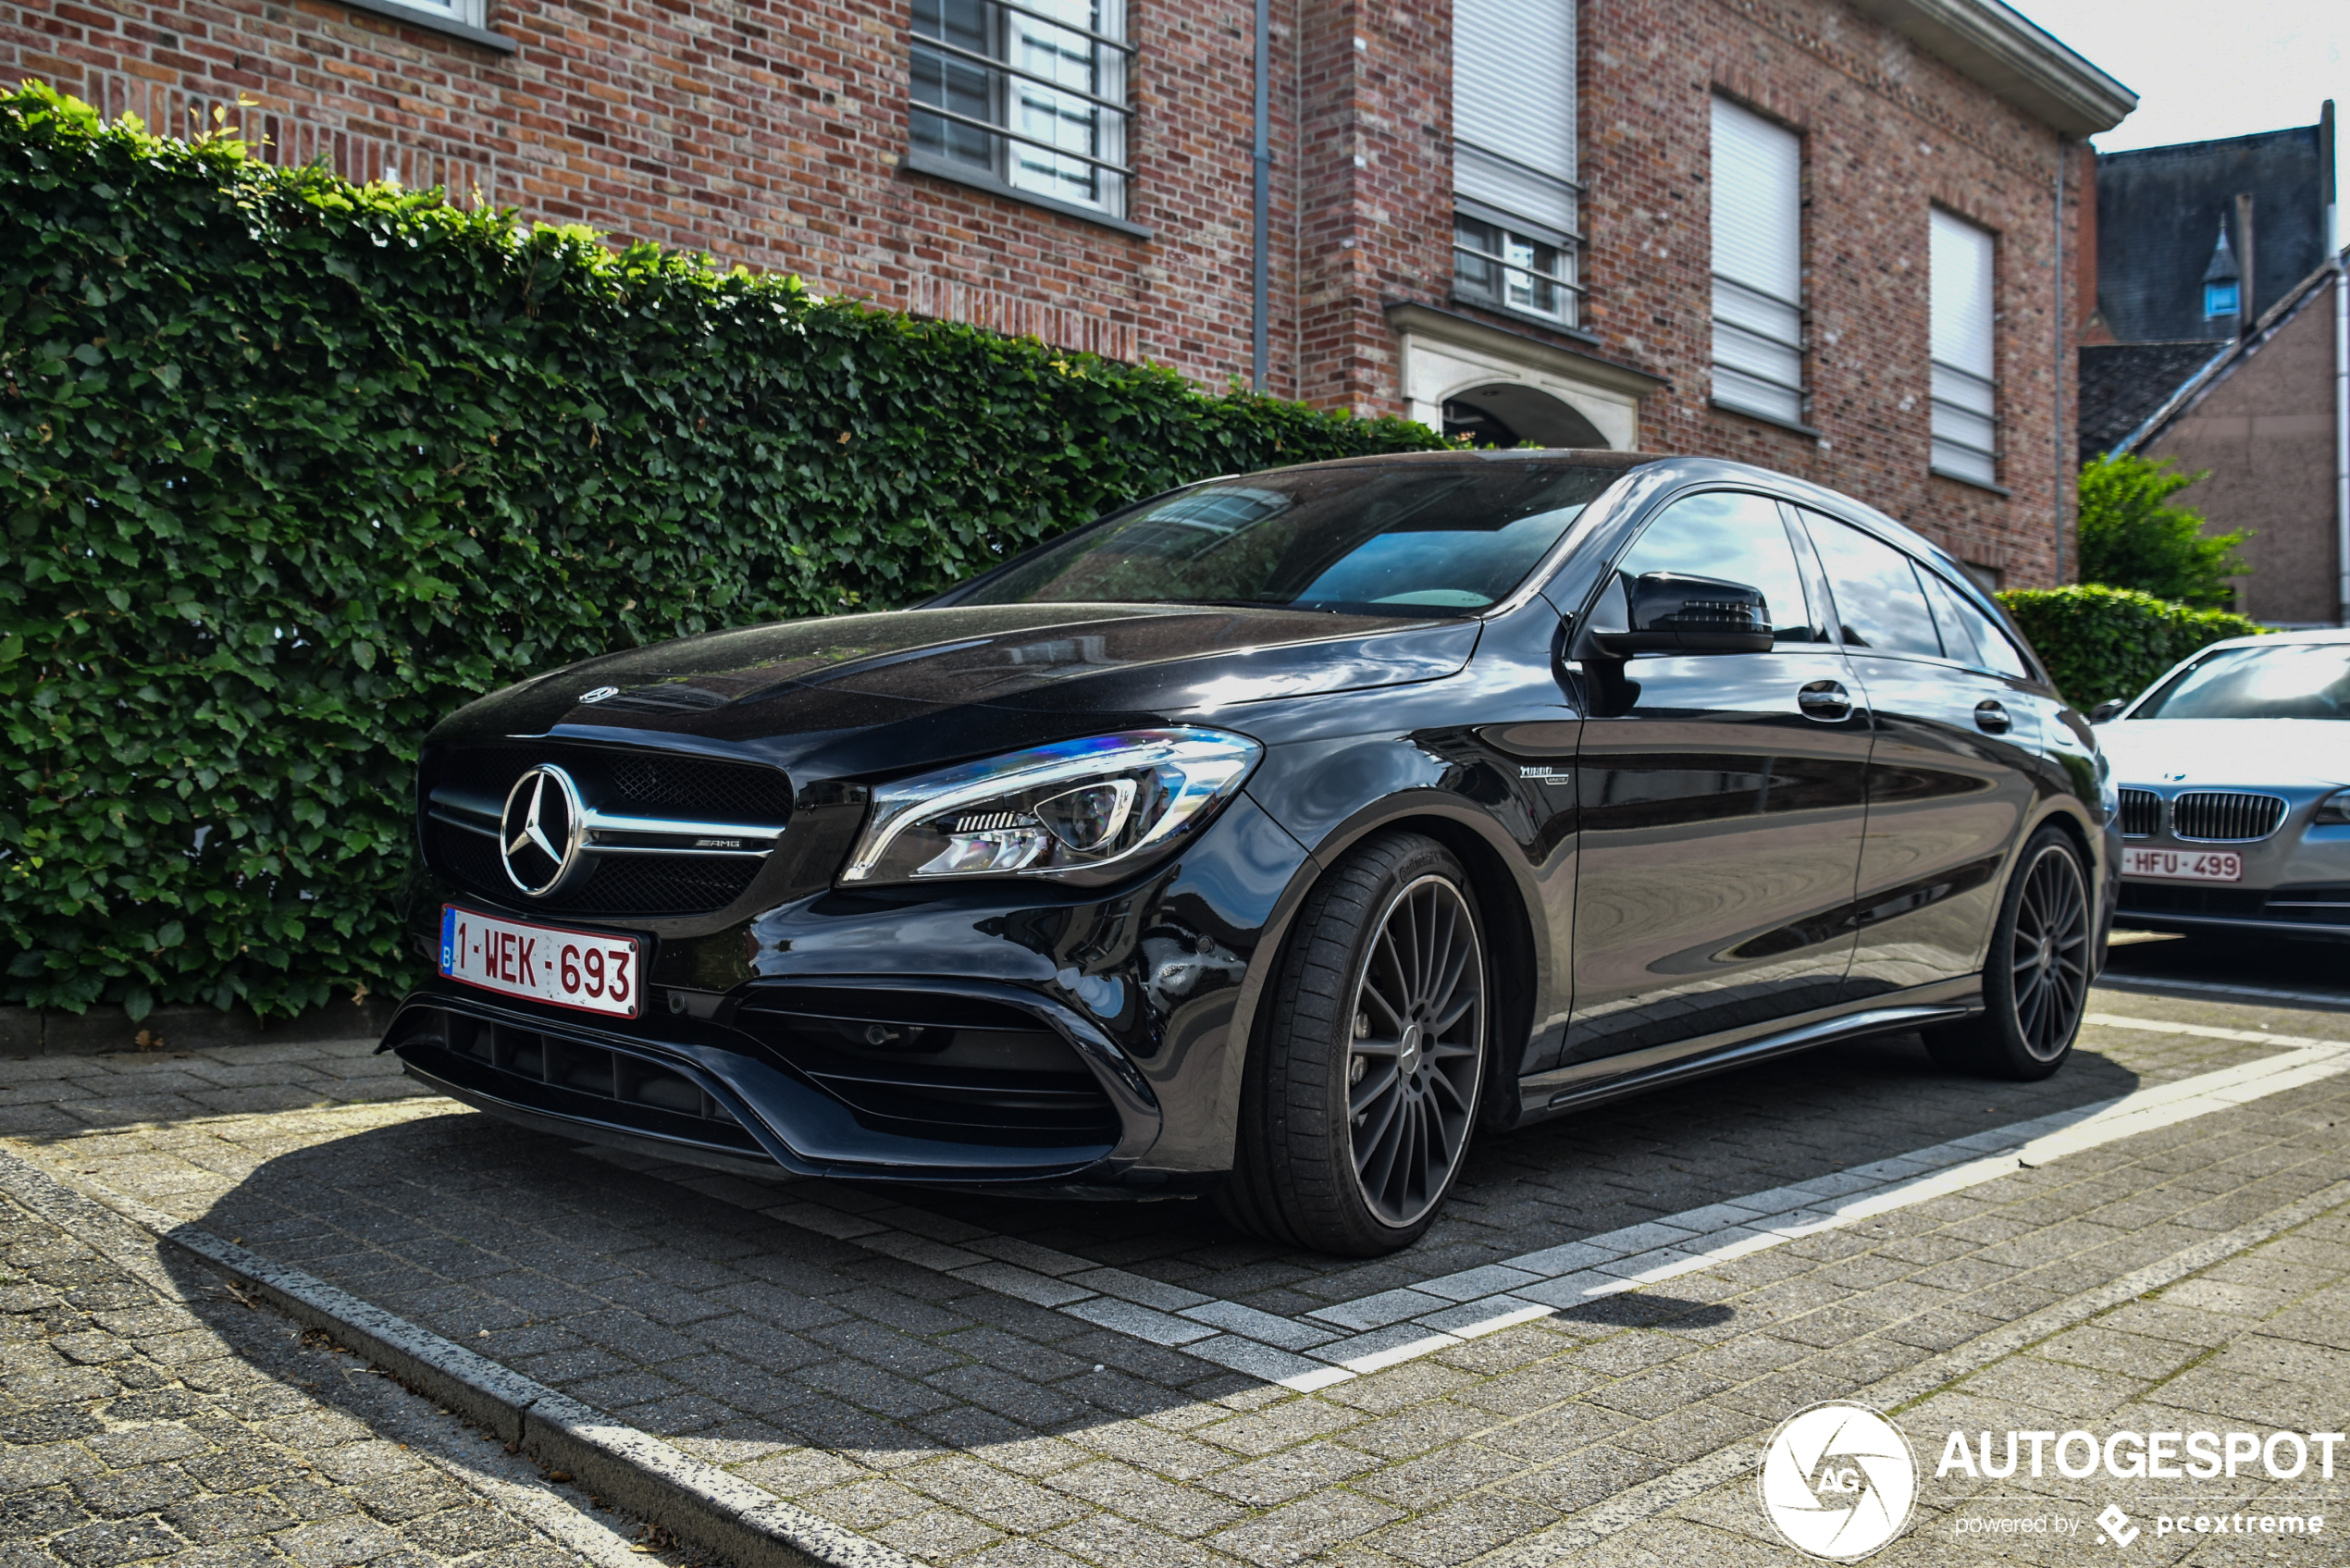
2234, 777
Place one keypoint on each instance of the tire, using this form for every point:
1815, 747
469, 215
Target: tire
2036, 976
1362, 1091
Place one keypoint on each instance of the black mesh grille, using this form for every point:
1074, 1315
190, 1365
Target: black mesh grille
2141, 813
713, 792
633, 781
621, 884
2225, 817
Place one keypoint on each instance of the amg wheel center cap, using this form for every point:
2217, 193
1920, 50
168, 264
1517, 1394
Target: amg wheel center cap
1407, 1054
540, 831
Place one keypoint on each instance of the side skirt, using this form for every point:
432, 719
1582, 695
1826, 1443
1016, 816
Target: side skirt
1609, 1078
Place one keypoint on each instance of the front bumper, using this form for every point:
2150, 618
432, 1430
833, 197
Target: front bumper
1010, 1035
2295, 883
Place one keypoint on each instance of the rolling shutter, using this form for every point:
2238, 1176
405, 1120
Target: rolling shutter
1966, 392
1514, 109
1758, 264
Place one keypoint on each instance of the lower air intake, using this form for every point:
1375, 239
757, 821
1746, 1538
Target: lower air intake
925, 1065
571, 1078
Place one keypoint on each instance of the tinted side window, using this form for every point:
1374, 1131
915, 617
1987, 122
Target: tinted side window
1958, 637
1998, 653
1736, 536
1878, 600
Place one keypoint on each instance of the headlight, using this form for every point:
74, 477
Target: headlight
2333, 812
1112, 802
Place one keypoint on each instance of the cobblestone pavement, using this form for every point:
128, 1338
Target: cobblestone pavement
955, 1422
149, 1413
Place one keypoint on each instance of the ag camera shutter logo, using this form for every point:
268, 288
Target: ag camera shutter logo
1838, 1480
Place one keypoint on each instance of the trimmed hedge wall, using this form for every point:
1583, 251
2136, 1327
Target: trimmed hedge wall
2104, 643
292, 467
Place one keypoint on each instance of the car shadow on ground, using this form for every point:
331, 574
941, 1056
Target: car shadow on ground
667, 1297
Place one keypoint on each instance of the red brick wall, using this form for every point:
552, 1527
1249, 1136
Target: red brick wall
771, 131
1886, 134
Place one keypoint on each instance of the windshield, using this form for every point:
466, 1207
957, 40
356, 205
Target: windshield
1415, 539
2288, 681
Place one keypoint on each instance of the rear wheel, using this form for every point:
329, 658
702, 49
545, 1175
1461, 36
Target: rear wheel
2035, 977
1362, 1094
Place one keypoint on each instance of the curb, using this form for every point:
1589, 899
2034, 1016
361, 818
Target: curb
697, 1501
49, 1032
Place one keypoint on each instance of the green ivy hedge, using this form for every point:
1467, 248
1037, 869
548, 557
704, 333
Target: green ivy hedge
292, 467
2104, 643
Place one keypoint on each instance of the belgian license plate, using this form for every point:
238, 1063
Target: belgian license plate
2183, 865
592, 972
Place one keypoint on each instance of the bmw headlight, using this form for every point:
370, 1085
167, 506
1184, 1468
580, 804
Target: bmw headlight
2333, 812
1108, 804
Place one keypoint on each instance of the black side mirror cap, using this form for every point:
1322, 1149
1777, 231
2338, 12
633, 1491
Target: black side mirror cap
2110, 707
1677, 612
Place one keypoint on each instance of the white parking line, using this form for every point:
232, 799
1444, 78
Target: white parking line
2122, 982
1335, 1343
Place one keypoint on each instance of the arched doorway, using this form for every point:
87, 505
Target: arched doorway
1514, 414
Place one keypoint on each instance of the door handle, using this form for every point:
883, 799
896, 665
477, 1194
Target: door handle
1824, 700
1992, 719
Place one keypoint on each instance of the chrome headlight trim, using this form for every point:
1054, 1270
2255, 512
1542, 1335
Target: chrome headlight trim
1195, 770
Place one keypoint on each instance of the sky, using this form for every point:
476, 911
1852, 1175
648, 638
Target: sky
2202, 71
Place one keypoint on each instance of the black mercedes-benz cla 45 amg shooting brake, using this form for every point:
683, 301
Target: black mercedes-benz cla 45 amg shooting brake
1270, 838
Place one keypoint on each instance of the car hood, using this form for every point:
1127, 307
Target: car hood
2227, 751
851, 695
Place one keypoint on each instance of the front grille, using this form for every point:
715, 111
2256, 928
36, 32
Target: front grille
925, 1065
624, 782
569, 1078
653, 782
2225, 817
2141, 813
631, 884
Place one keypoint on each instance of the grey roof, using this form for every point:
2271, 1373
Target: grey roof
2159, 208
2123, 384
2220, 362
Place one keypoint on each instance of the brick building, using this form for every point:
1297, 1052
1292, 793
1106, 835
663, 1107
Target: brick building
1499, 215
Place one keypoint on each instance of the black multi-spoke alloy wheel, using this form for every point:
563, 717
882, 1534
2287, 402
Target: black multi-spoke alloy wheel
2035, 977
1362, 1086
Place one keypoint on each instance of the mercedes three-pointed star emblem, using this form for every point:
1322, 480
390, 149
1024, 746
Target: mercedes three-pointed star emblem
539, 833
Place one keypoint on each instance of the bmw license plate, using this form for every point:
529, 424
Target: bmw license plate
592, 972
2183, 865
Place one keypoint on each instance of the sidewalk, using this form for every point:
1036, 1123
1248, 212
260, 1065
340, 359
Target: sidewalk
149, 1413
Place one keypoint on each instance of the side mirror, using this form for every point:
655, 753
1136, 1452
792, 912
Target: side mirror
1676, 612
2108, 708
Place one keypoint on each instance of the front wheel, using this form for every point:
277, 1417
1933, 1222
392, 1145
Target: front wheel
2035, 977
1361, 1095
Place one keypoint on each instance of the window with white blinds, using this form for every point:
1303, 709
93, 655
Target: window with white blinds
1758, 265
1516, 215
1030, 96
1966, 388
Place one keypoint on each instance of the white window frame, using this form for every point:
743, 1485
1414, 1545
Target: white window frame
473, 14
1517, 245
1758, 319
1046, 109
1962, 288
